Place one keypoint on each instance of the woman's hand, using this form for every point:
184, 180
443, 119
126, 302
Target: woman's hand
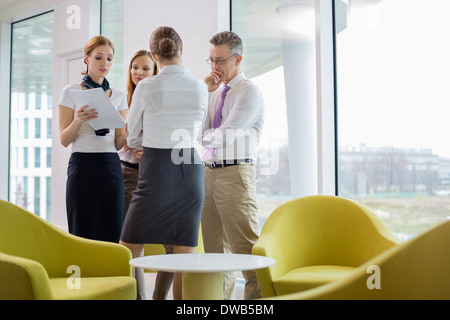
84, 115
70, 122
138, 154
121, 134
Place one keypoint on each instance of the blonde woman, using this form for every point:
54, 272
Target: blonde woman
141, 66
95, 199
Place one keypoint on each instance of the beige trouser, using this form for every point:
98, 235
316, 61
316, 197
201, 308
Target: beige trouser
130, 180
230, 219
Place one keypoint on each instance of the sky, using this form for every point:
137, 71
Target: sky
393, 79
394, 76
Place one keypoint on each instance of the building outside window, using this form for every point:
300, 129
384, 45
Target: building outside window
391, 109
392, 102
273, 51
31, 107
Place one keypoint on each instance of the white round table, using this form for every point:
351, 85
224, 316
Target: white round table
202, 272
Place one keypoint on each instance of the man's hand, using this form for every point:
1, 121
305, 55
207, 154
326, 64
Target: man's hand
213, 80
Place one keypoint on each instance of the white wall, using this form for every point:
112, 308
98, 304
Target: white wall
195, 21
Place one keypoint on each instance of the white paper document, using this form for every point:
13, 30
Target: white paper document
108, 116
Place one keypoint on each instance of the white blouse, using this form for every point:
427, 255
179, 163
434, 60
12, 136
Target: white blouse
128, 155
86, 141
169, 109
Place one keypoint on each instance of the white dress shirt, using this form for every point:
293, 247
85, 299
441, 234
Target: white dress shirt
86, 140
238, 136
169, 109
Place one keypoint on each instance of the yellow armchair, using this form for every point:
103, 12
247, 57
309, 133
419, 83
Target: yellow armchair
414, 270
316, 240
40, 261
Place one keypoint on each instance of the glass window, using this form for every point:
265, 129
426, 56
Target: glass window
27, 101
37, 195
49, 128
31, 104
49, 157
25, 128
37, 128
112, 27
279, 58
25, 157
38, 104
37, 157
392, 101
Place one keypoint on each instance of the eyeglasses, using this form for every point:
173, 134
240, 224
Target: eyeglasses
219, 62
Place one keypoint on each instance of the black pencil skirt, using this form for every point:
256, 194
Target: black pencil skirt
95, 198
168, 201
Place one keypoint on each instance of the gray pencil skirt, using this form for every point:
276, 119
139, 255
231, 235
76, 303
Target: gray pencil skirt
168, 201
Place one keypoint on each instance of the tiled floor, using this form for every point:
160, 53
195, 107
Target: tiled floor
150, 284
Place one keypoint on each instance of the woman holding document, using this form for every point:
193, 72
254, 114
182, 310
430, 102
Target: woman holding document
169, 109
95, 199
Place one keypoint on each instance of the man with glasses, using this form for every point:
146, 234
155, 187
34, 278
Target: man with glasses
230, 139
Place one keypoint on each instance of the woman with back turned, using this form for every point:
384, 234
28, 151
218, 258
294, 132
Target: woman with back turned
168, 201
141, 66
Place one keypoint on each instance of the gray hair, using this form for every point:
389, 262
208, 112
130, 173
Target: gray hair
231, 39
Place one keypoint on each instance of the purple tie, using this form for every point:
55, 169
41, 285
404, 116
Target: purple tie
217, 120
218, 117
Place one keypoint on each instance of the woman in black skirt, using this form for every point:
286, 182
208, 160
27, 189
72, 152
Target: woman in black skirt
169, 110
95, 198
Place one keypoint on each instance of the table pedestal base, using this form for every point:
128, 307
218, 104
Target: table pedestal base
202, 286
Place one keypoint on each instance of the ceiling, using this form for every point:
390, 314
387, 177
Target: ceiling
10, 9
